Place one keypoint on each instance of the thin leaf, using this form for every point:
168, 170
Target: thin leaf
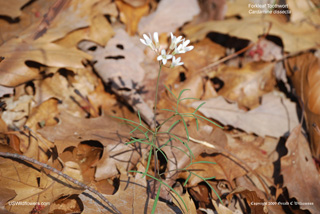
189, 176
181, 92
176, 137
210, 178
175, 123
197, 123
164, 109
204, 162
210, 121
149, 161
198, 107
171, 92
156, 200
189, 98
186, 128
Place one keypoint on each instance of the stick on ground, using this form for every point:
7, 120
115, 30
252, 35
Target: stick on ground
46, 166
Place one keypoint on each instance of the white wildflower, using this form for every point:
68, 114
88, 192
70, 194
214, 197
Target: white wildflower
164, 57
176, 62
182, 48
148, 41
174, 41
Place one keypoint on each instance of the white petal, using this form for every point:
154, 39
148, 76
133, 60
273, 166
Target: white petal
163, 52
156, 37
189, 48
186, 43
164, 61
168, 56
143, 42
159, 58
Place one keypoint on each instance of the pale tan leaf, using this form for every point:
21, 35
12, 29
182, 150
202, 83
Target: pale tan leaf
170, 15
275, 117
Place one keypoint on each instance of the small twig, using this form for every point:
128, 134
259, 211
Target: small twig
212, 65
67, 177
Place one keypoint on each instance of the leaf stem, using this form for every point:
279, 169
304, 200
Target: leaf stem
156, 96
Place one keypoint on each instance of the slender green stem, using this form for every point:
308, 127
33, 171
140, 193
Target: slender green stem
156, 97
165, 121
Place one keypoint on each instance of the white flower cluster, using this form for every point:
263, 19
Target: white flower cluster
174, 48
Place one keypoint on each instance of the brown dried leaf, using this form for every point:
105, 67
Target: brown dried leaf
70, 204
187, 200
131, 15
251, 197
299, 172
55, 26
204, 53
131, 197
295, 37
16, 110
108, 131
136, 3
99, 29
305, 73
228, 167
14, 70
274, 117
43, 115
5, 195
12, 8
33, 185
246, 85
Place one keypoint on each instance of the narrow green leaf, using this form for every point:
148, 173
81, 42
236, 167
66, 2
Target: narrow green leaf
204, 162
198, 107
164, 109
197, 123
210, 121
185, 127
189, 176
171, 92
209, 178
181, 92
149, 161
139, 117
175, 123
185, 144
156, 200
166, 143
189, 98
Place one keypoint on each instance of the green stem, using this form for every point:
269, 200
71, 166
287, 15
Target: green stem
156, 97
165, 121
